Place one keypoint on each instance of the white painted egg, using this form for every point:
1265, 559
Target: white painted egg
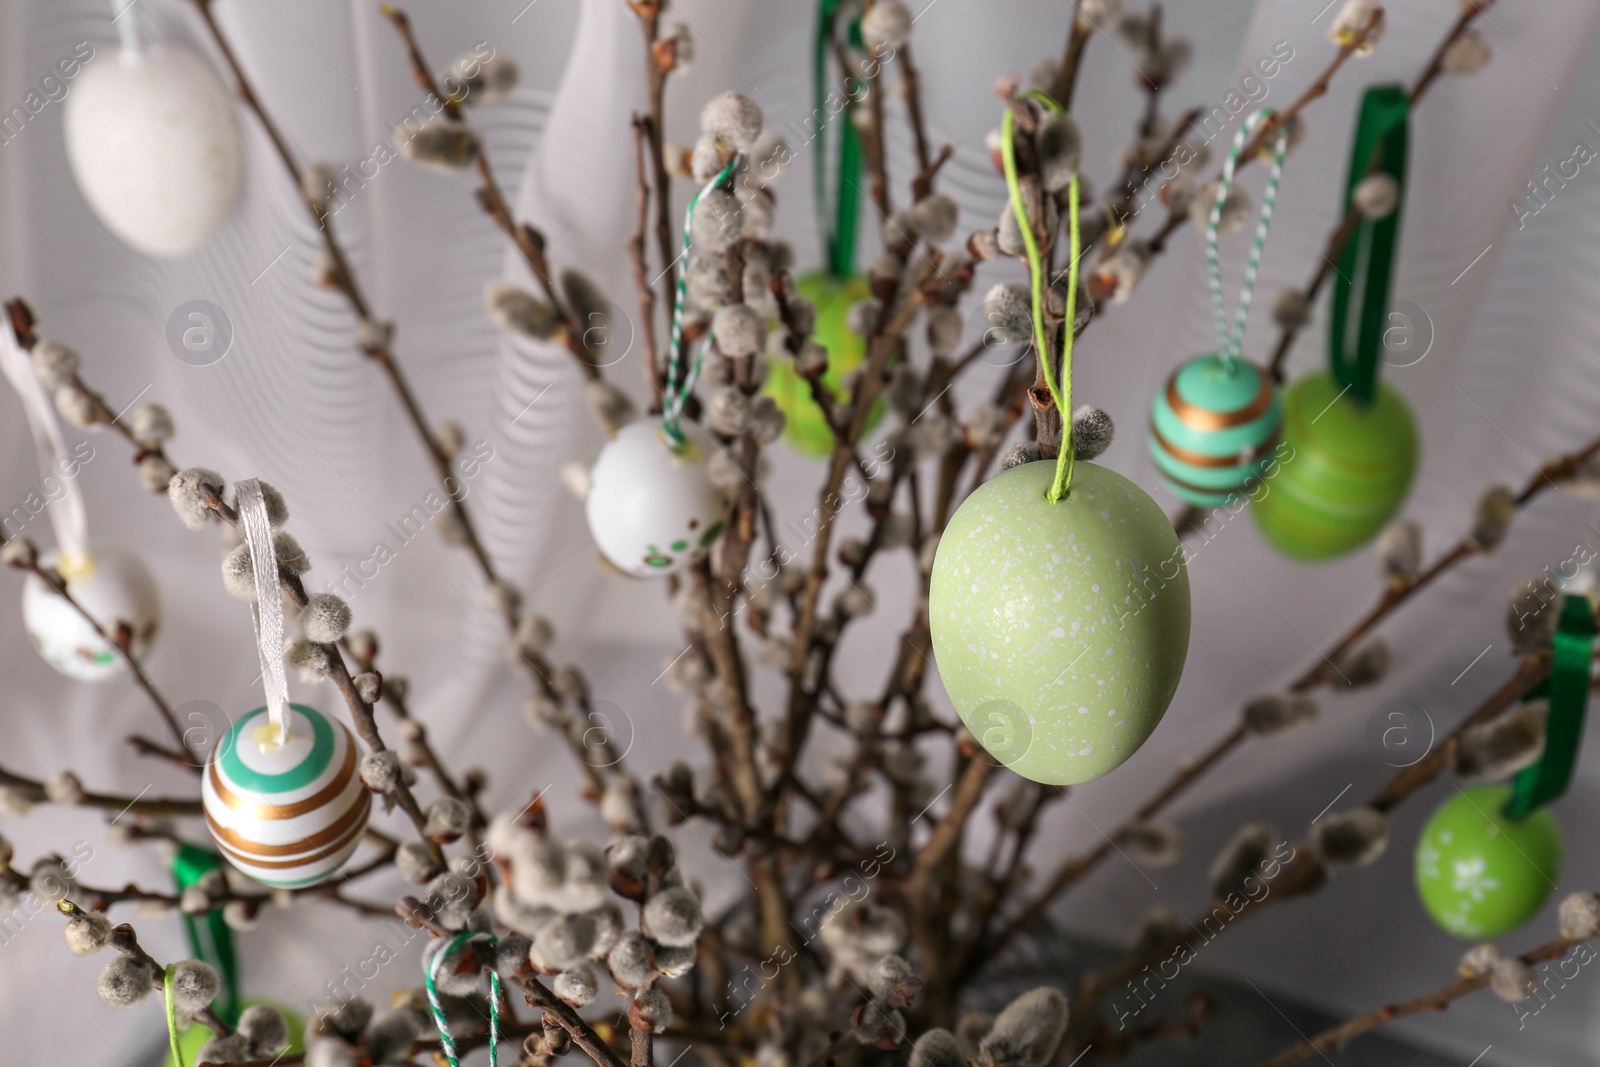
155, 147
115, 587
288, 815
652, 508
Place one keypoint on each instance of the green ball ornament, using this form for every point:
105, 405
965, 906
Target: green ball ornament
1214, 428
1060, 629
807, 430
1480, 873
193, 1038
1344, 474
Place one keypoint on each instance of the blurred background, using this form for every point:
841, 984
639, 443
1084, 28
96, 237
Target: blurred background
1505, 372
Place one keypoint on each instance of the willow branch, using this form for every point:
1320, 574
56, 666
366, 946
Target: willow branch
1352, 220
1073, 869
1301, 877
344, 279
34, 790
1438, 1000
122, 642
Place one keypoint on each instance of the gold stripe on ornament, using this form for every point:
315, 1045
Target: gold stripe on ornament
321, 837
1210, 490
304, 855
273, 812
1197, 459
1199, 418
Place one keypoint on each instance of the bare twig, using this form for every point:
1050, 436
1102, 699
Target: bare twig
1440, 999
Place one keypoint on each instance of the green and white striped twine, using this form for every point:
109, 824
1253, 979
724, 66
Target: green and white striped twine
432, 975
678, 391
1228, 343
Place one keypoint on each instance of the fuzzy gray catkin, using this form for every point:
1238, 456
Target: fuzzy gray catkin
740, 330
442, 145
1579, 916
1008, 313
194, 986
1059, 145
1277, 712
1497, 749
1027, 1032
1092, 431
518, 311
734, 119
1353, 838
187, 494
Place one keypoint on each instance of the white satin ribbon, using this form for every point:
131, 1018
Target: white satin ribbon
267, 612
67, 515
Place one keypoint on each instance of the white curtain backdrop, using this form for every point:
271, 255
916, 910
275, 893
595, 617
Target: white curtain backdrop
1512, 376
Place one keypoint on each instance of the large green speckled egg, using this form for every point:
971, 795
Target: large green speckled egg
1344, 473
1480, 873
806, 429
1213, 428
1060, 630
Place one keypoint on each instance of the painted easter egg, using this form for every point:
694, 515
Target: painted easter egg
1480, 873
289, 814
1214, 428
807, 430
113, 586
1344, 473
1060, 630
154, 144
652, 507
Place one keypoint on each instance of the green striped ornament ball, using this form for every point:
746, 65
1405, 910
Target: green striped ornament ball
287, 815
1345, 473
1213, 428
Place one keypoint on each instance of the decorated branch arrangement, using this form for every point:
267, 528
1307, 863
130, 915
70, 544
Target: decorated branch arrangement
889, 876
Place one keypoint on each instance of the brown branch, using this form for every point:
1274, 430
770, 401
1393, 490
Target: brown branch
1301, 878
656, 71
583, 1035
343, 277
641, 1044
642, 141
1352, 220
911, 84
122, 642
1438, 1000
529, 242
1269, 128
33, 789
126, 941
1071, 60
1265, 132
1074, 868
103, 899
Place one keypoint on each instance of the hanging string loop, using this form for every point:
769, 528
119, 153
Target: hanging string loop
1230, 340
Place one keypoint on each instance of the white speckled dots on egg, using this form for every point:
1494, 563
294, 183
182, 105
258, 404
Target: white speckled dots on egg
1060, 630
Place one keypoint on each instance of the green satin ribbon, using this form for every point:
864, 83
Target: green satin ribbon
1568, 693
1361, 280
839, 234
209, 936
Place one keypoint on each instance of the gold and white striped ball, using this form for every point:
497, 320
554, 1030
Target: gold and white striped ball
289, 815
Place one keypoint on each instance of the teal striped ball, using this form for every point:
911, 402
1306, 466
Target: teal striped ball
291, 815
1214, 427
